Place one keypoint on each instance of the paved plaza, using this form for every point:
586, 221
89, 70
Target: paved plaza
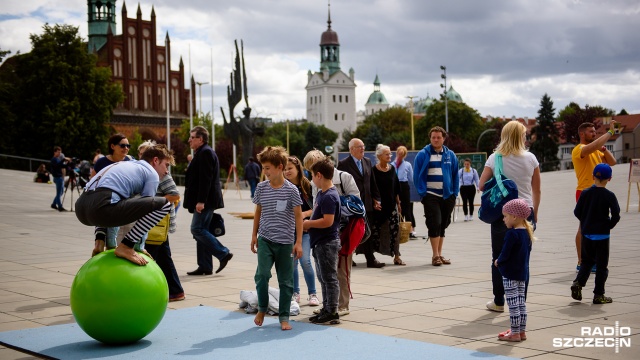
42, 249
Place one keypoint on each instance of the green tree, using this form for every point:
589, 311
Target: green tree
465, 125
573, 115
301, 138
4, 53
545, 136
373, 138
390, 127
312, 136
63, 98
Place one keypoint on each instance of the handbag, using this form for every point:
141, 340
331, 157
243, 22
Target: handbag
158, 234
497, 192
404, 230
216, 226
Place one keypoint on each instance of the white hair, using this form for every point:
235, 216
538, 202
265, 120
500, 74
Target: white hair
379, 149
146, 144
353, 141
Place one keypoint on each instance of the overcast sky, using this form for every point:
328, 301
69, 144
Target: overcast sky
502, 56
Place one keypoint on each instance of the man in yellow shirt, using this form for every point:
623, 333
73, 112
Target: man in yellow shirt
585, 156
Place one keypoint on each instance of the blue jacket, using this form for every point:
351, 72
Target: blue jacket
450, 180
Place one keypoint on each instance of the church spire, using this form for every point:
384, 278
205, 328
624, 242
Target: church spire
329, 48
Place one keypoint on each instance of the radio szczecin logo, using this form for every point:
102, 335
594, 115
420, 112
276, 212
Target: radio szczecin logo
598, 337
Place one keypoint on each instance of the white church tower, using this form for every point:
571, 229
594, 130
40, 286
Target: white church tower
331, 94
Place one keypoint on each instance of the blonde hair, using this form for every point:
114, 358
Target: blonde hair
311, 158
379, 149
401, 152
529, 226
512, 139
145, 145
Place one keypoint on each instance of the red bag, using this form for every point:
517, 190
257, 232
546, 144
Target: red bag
351, 236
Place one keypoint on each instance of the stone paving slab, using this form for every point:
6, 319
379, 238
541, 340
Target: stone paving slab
41, 250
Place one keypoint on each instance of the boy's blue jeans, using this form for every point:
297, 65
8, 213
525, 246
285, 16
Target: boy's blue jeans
307, 268
270, 253
326, 257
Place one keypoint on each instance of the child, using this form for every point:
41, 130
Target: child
293, 172
513, 264
325, 240
593, 209
277, 225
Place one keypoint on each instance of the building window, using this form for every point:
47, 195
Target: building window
320, 99
334, 98
346, 98
335, 117
342, 117
340, 97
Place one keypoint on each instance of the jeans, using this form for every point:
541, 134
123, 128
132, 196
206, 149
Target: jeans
162, 255
498, 230
59, 181
207, 244
326, 258
270, 253
252, 185
307, 268
594, 252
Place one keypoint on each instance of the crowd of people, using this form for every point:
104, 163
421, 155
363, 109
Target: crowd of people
298, 216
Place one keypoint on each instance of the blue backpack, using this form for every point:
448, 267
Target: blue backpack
497, 192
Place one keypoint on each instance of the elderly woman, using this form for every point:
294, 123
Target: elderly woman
384, 231
404, 170
521, 166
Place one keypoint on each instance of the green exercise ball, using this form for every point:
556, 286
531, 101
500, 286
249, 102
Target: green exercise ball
117, 302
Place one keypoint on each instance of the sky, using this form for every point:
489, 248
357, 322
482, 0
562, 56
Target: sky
501, 56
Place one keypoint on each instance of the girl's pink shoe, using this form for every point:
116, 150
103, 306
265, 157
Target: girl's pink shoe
508, 336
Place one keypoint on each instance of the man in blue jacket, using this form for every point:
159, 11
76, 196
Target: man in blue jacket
435, 178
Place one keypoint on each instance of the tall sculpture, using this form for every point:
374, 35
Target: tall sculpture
240, 130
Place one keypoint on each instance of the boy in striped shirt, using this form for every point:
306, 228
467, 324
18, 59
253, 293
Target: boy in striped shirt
277, 232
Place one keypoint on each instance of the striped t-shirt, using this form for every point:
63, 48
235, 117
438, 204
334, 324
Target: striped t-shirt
277, 220
434, 174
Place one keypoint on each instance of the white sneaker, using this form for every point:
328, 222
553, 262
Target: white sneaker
313, 300
493, 307
343, 312
470, 217
466, 218
296, 297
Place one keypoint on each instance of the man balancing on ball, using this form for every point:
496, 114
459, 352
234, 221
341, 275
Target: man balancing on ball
110, 200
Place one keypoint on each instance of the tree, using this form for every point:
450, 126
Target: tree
303, 137
623, 112
4, 53
545, 136
464, 122
62, 97
373, 138
390, 127
573, 115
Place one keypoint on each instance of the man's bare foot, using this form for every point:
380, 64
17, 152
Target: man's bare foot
144, 251
128, 253
284, 325
98, 248
259, 318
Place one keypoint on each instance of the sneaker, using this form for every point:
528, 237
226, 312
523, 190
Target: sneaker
296, 297
176, 297
317, 313
54, 207
593, 269
313, 300
601, 299
466, 218
470, 217
327, 317
343, 312
576, 292
493, 307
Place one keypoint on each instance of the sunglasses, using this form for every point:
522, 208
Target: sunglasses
128, 146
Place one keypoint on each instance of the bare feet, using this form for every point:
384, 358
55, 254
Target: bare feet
284, 325
144, 251
98, 248
128, 253
259, 318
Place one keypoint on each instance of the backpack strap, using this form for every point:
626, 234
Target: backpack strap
341, 186
498, 175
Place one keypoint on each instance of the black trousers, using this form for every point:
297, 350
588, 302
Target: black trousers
594, 252
406, 204
162, 255
468, 194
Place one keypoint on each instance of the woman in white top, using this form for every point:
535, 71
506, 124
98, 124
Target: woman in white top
522, 167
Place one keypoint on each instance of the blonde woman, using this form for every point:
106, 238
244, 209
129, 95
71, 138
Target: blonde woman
404, 170
521, 166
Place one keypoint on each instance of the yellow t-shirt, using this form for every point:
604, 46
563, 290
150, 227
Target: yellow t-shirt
584, 166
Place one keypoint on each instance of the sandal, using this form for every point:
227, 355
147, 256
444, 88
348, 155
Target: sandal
445, 261
435, 261
399, 262
509, 336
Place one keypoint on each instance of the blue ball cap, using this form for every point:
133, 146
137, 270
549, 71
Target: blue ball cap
602, 171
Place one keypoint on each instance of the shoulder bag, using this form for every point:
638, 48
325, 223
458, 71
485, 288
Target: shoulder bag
497, 192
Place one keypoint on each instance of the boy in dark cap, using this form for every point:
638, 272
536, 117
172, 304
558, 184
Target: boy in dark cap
598, 212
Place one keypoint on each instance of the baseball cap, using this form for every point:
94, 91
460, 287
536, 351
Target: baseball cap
602, 171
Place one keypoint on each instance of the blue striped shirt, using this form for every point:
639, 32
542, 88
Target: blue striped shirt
434, 174
277, 219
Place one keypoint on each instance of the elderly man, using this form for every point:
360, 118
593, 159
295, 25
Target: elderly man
110, 200
202, 196
360, 168
585, 156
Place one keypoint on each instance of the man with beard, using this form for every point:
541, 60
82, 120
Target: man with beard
585, 156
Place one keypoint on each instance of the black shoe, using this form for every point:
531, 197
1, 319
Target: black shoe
61, 209
224, 261
375, 264
327, 317
353, 263
199, 271
412, 236
54, 207
601, 299
315, 317
576, 291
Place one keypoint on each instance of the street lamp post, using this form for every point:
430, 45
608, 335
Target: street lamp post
446, 107
413, 144
200, 95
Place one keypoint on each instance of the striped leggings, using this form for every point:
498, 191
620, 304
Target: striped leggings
514, 292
